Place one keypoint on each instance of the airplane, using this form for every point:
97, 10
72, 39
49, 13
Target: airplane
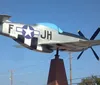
47, 37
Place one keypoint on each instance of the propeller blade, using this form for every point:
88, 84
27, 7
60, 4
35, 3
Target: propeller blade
80, 33
95, 53
95, 34
80, 55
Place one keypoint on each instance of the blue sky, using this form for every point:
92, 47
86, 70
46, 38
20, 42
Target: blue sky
32, 67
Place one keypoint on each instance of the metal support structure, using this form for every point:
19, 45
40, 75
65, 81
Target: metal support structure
57, 73
11, 77
57, 54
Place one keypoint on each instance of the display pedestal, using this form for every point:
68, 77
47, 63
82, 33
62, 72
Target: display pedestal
57, 74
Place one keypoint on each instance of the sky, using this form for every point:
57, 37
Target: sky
31, 67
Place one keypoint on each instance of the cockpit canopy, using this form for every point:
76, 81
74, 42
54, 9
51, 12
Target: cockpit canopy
52, 26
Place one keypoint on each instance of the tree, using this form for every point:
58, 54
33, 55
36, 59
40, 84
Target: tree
93, 80
97, 80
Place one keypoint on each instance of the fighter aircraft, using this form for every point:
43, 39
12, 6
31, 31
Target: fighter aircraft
46, 37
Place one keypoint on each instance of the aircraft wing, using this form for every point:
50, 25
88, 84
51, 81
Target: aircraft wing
74, 46
91, 42
81, 45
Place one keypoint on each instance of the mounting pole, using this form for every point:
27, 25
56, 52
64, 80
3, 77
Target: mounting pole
11, 77
70, 63
57, 54
57, 73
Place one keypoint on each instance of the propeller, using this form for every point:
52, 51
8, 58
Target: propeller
95, 53
92, 38
80, 54
95, 34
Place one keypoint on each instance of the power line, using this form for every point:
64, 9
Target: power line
83, 77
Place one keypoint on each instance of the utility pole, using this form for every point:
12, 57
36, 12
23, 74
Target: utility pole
11, 77
70, 63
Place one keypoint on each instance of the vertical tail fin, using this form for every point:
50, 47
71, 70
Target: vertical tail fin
4, 18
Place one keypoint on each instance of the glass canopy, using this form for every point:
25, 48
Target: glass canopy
52, 26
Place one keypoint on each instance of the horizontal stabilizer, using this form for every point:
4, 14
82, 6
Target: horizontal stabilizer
4, 18
18, 46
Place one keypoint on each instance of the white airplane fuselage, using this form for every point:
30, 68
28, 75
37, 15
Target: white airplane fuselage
45, 36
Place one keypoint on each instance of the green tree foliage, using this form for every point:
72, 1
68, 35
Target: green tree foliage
93, 80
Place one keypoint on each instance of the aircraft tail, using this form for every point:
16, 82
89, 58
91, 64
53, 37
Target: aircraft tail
4, 18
